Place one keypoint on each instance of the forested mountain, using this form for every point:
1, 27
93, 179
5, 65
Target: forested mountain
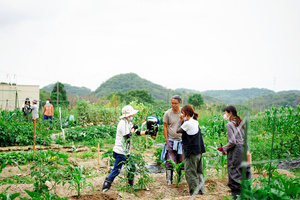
269, 100
237, 96
207, 99
256, 97
79, 91
130, 81
289, 91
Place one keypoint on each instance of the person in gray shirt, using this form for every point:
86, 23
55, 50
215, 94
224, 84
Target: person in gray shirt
173, 146
234, 149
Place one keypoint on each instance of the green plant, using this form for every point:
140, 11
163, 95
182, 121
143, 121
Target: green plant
220, 163
280, 187
78, 179
157, 155
45, 168
16, 180
43, 196
85, 155
92, 133
15, 130
177, 169
20, 157
109, 154
141, 172
205, 162
8, 196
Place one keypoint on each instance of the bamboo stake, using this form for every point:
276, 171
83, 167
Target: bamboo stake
34, 132
270, 168
98, 156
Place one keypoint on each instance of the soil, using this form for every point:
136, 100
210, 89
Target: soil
215, 187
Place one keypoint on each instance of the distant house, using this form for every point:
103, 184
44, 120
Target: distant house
13, 96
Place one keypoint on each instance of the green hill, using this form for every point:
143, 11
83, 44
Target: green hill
207, 99
130, 81
70, 89
269, 100
256, 97
289, 91
237, 96
121, 83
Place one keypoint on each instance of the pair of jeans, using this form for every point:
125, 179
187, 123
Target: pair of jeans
120, 160
47, 117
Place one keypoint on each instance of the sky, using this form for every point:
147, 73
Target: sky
194, 44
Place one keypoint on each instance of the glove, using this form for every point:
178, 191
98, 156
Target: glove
137, 132
127, 136
151, 132
220, 149
135, 126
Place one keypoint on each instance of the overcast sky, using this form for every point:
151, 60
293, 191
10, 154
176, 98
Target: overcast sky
201, 45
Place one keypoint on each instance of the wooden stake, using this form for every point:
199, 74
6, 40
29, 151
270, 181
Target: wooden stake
98, 156
34, 132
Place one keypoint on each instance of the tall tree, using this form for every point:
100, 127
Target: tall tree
196, 100
59, 93
44, 95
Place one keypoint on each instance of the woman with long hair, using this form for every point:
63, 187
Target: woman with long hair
193, 147
234, 148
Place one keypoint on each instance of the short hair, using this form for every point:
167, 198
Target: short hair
177, 97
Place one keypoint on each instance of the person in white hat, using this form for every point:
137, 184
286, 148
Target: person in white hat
35, 111
122, 146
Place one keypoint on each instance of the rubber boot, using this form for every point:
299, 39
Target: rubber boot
235, 194
131, 182
106, 185
169, 175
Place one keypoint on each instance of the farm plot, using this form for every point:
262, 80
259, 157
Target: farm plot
69, 168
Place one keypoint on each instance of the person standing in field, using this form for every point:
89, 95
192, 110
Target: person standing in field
235, 149
121, 150
26, 108
193, 147
173, 146
35, 111
48, 111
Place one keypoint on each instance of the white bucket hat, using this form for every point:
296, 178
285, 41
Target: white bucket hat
127, 111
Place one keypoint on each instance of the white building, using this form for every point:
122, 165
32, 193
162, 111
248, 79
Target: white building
13, 96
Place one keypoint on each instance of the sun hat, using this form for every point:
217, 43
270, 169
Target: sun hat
34, 101
127, 111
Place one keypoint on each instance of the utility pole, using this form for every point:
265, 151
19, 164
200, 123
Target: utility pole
57, 90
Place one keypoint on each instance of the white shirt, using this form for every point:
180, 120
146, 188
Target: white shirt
123, 128
190, 126
35, 111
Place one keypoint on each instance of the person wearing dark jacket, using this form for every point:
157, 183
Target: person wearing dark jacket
193, 147
234, 148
